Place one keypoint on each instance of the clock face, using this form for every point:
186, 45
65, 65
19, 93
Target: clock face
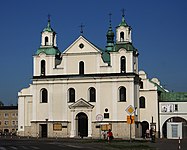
81, 45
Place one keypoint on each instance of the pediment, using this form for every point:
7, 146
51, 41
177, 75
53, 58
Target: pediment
81, 46
81, 103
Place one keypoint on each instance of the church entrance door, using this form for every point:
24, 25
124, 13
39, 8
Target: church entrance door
82, 122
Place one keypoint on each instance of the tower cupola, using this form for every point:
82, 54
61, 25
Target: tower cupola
48, 36
48, 41
110, 37
123, 32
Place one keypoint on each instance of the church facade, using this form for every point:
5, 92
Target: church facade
84, 90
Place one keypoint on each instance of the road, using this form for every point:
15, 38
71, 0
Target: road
88, 144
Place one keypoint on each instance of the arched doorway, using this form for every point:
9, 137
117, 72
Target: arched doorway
175, 119
145, 126
82, 124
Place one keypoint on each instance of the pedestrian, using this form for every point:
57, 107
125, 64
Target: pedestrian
147, 133
109, 136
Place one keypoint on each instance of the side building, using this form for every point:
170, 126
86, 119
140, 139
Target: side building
173, 115
8, 120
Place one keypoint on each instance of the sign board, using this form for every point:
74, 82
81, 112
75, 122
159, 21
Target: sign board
106, 127
130, 109
167, 108
130, 119
57, 127
99, 117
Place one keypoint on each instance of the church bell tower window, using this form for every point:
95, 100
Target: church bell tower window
121, 36
123, 64
46, 41
43, 67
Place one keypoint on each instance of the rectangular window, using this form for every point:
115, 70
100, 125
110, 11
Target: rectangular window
6, 123
13, 123
106, 115
13, 115
176, 107
6, 115
174, 130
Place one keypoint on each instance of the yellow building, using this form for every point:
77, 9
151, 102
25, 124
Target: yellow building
8, 119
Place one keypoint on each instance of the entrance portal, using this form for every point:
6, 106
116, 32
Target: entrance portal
145, 126
175, 119
82, 122
43, 130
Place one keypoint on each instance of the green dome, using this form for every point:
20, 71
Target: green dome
48, 28
48, 51
123, 22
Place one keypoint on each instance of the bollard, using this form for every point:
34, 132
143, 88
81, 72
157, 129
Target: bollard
179, 143
56, 135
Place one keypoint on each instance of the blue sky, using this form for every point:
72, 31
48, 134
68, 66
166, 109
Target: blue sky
159, 33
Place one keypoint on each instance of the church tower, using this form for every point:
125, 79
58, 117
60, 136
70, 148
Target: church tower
48, 36
47, 55
123, 32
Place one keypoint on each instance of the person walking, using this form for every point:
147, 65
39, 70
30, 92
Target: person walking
109, 136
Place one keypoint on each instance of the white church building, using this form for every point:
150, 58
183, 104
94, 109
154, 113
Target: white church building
83, 90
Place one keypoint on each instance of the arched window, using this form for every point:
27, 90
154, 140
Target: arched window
142, 102
81, 67
43, 67
44, 96
122, 94
92, 94
121, 36
123, 64
141, 84
46, 41
71, 95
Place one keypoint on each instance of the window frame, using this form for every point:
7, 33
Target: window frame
122, 91
71, 95
92, 94
43, 67
44, 95
81, 68
123, 64
142, 102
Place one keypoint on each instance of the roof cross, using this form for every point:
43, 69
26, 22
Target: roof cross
110, 18
81, 26
49, 16
123, 12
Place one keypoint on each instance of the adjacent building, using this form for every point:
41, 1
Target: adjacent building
8, 119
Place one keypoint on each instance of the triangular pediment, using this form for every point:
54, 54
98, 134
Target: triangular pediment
82, 45
81, 103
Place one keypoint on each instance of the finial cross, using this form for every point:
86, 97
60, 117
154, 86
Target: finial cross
123, 12
81, 26
110, 14
49, 16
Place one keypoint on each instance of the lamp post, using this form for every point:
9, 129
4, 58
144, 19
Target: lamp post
47, 126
